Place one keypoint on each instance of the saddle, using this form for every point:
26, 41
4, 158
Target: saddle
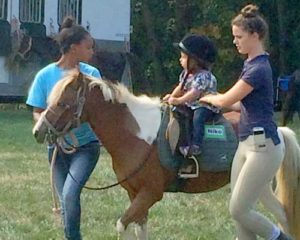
219, 143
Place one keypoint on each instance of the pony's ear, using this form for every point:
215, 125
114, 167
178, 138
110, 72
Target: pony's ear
80, 77
77, 77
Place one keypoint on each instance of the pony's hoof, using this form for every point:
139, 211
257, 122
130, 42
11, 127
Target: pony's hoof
124, 233
56, 210
120, 227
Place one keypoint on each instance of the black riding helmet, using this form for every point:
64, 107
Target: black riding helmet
199, 47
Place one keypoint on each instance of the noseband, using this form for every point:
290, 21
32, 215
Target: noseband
53, 133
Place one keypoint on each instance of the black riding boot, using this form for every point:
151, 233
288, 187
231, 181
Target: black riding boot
284, 236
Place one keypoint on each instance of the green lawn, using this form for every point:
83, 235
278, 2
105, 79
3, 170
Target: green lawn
25, 196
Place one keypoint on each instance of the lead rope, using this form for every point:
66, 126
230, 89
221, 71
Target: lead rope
61, 141
66, 146
55, 208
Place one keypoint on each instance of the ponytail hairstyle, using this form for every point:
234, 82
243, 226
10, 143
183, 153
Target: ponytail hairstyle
70, 33
251, 21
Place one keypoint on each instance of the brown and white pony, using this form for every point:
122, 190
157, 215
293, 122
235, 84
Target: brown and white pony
127, 126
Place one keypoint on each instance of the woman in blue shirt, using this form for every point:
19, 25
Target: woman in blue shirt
76, 46
261, 147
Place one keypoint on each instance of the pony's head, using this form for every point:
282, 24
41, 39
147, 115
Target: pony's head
65, 106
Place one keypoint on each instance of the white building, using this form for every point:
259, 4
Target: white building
108, 21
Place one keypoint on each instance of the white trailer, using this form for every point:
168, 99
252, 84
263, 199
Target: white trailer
108, 21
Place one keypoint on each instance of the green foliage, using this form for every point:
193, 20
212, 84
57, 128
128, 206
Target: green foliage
157, 24
170, 21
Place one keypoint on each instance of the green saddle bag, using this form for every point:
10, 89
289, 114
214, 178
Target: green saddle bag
218, 149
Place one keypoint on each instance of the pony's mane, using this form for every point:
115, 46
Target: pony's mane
117, 92
61, 86
145, 109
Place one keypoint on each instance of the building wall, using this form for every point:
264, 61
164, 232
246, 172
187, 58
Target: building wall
107, 20
50, 20
13, 9
4, 73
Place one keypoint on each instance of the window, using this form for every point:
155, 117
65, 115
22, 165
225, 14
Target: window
31, 11
3, 9
69, 8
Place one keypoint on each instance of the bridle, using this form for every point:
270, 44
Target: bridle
53, 133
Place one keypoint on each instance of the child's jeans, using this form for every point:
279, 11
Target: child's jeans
201, 115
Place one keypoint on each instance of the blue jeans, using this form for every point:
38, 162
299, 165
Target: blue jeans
80, 164
201, 115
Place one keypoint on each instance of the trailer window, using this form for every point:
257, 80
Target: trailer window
69, 8
31, 11
3, 9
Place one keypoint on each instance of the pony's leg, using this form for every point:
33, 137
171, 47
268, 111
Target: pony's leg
269, 200
124, 233
141, 230
138, 209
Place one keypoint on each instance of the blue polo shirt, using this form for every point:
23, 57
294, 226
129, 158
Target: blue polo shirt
257, 106
42, 85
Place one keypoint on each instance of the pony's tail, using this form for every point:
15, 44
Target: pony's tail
288, 182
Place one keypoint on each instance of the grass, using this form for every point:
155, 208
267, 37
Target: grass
25, 196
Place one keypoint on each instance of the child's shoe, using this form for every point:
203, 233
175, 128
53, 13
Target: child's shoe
184, 150
195, 150
188, 151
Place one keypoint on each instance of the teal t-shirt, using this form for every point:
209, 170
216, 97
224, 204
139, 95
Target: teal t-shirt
42, 85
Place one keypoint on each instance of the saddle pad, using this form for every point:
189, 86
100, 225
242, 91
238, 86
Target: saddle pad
219, 146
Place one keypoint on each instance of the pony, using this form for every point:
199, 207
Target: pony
127, 126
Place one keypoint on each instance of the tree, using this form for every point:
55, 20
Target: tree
157, 24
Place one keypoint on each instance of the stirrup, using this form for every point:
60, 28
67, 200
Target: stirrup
190, 175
